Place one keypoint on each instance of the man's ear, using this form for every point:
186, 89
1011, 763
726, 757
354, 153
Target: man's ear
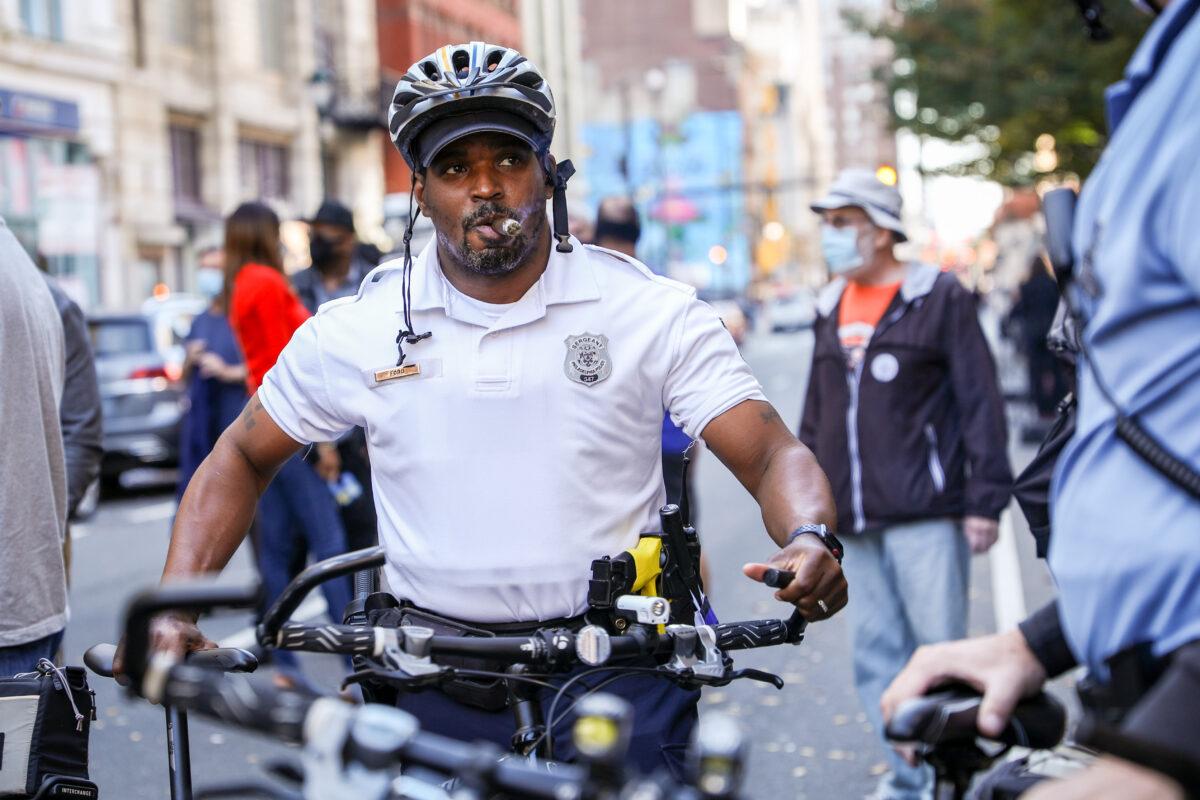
549, 167
885, 239
419, 191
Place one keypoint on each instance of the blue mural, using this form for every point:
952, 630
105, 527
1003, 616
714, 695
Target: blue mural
686, 182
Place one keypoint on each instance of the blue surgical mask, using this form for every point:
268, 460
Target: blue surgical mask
840, 248
209, 282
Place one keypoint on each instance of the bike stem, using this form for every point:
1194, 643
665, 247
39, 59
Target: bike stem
530, 737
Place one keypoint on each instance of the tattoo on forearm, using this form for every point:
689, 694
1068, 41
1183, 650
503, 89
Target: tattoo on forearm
252, 408
769, 415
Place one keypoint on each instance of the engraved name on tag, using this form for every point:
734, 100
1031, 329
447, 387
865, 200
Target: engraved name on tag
405, 371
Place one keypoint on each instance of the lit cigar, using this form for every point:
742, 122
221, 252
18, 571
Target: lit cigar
510, 227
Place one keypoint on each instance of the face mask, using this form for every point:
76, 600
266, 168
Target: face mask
321, 250
840, 248
209, 282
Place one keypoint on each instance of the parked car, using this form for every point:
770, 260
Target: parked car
796, 312
139, 364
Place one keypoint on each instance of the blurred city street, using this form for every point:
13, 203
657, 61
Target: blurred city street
252, 250
809, 740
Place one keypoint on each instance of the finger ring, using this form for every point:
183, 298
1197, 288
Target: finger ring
824, 608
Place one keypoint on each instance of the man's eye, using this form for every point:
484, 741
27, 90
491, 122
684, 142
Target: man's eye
453, 169
510, 161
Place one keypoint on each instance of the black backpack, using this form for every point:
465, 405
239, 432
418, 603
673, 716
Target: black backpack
45, 719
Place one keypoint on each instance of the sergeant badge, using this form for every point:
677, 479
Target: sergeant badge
587, 360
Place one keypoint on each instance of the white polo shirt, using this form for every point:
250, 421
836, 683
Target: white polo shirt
528, 445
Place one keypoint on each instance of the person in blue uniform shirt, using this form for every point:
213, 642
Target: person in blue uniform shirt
1124, 550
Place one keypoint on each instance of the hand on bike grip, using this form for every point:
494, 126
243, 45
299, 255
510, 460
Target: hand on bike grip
806, 575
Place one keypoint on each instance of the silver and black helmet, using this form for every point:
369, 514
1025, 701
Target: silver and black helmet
469, 81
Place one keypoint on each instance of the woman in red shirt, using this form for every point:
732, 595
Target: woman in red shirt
264, 312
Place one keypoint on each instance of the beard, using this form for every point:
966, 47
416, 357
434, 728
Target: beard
501, 258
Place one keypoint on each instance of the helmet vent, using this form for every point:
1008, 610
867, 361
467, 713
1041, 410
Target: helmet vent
493, 60
462, 62
430, 69
530, 79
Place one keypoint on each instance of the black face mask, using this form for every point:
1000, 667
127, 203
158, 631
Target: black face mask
322, 251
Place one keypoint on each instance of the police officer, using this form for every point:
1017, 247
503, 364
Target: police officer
1124, 549
513, 420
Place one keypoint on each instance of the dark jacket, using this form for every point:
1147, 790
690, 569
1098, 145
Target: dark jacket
308, 281
80, 409
917, 431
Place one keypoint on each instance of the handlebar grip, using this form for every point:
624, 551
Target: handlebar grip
778, 578
234, 699
1037, 723
751, 634
345, 639
951, 715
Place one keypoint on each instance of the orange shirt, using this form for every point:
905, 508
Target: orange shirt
861, 309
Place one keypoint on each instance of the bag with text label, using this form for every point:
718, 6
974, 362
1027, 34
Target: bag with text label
45, 720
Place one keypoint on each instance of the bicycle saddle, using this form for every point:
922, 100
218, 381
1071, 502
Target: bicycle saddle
948, 716
99, 659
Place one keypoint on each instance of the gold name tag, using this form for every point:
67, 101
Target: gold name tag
406, 371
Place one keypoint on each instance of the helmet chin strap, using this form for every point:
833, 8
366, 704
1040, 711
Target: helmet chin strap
559, 176
406, 335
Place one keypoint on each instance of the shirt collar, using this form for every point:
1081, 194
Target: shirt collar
1147, 59
569, 278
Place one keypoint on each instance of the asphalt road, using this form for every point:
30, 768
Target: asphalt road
809, 740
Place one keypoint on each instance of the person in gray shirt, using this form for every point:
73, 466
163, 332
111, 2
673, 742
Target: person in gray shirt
33, 470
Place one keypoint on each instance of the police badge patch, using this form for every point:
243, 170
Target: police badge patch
587, 360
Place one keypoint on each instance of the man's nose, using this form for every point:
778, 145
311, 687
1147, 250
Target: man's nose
486, 186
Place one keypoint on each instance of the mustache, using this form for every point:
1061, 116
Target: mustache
487, 212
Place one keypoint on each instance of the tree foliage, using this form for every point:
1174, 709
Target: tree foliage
1000, 74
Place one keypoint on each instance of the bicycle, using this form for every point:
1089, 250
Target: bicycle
354, 752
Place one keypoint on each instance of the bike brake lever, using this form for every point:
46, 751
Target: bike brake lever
757, 675
401, 680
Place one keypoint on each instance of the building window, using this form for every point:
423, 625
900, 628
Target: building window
272, 24
43, 18
264, 168
185, 167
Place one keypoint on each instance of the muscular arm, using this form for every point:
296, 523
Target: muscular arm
219, 503
781, 473
791, 490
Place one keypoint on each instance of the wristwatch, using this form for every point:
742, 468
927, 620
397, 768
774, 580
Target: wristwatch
826, 536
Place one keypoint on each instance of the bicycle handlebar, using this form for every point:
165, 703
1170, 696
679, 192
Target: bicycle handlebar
184, 596
949, 716
386, 736
295, 592
557, 649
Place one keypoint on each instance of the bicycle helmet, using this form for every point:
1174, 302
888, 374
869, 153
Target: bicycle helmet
471, 82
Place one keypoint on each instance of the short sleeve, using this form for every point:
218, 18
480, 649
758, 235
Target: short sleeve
296, 394
708, 375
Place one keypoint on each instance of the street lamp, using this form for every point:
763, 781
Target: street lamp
321, 91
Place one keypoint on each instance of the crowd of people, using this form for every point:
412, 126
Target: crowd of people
512, 401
